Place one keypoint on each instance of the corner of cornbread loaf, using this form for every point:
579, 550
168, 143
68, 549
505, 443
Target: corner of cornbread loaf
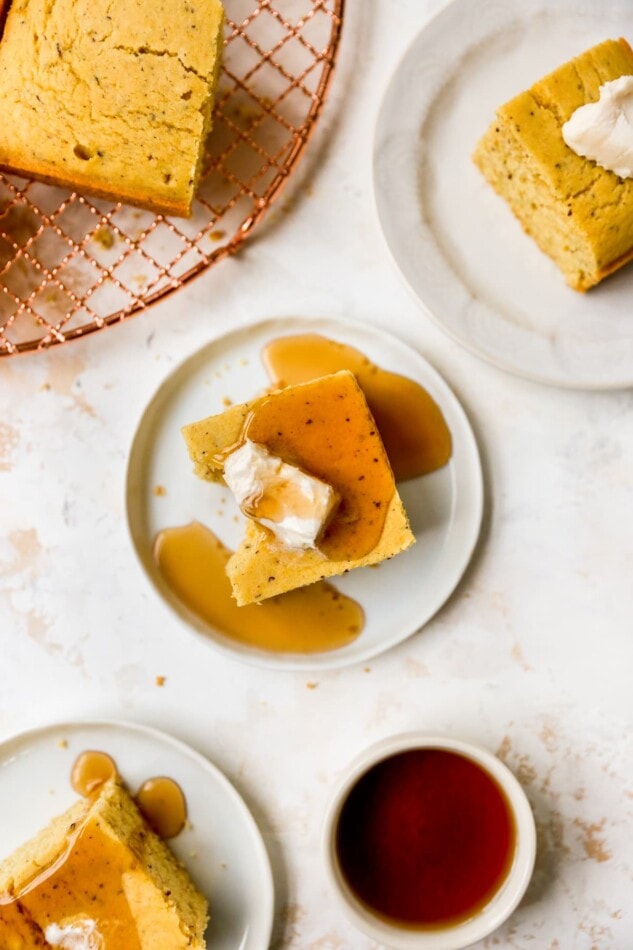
41, 851
114, 99
168, 911
579, 214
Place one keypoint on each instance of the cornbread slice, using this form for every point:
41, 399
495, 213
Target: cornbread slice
114, 99
329, 432
100, 866
579, 214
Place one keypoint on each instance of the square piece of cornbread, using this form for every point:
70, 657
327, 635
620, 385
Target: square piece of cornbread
98, 876
113, 99
579, 214
325, 428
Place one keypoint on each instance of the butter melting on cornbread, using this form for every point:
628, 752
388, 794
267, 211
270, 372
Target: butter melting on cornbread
325, 428
579, 214
111, 98
99, 863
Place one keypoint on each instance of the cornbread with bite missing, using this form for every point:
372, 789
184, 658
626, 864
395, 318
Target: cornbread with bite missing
325, 428
99, 866
578, 213
113, 99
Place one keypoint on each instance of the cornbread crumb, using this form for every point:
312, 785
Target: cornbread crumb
160, 491
579, 214
311, 685
104, 237
62, 744
160, 680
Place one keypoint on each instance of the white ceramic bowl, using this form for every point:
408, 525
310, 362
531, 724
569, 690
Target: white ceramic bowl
502, 904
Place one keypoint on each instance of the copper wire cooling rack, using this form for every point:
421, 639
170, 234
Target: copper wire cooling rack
71, 264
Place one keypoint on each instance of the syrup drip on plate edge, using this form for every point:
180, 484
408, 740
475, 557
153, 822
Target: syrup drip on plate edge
160, 800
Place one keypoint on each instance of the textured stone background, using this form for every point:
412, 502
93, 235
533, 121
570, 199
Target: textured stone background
532, 656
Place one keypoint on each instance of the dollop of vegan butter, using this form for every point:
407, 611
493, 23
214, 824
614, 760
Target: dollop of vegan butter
290, 502
80, 935
603, 130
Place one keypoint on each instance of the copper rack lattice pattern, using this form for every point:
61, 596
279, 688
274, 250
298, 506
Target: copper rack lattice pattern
71, 264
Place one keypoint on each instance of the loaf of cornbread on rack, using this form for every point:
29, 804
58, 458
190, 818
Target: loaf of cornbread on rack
328, 433
98, 870
113, 99
579, 214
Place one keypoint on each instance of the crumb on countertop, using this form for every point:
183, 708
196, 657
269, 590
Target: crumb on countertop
104, 237
311, 685
160, 680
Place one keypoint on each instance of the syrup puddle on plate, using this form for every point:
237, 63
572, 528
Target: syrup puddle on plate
192, 561
317, 618
412, 427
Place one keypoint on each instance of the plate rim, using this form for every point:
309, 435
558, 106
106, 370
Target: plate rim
429, 309
329, 660
183, 748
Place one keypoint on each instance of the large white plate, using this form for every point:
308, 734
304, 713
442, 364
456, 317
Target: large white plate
445, 508
223, 850
456, 243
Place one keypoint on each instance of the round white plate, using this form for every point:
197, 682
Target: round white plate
223, 850
444, 508
456, 242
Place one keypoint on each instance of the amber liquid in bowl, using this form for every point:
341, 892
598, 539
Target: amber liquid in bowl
425, 838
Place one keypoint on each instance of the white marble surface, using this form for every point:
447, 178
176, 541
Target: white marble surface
532, 656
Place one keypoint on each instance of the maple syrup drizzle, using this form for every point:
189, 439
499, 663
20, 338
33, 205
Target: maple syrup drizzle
163, 806
312, 619
326, 430
161, 800
413, 429
86, 884
90, 770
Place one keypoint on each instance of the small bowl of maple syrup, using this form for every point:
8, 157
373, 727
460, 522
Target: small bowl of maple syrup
429, 843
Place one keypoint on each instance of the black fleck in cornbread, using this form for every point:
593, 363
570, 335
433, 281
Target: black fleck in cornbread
579, 214
111, 98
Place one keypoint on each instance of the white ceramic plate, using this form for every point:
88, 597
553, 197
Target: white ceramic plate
456, 242
230, 864
444, 508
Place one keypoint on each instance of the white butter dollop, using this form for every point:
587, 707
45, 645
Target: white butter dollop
603, 130
294, 505
81, 935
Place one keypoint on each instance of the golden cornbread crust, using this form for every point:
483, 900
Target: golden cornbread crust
262, 567
174, 913
113, 99
579, 214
